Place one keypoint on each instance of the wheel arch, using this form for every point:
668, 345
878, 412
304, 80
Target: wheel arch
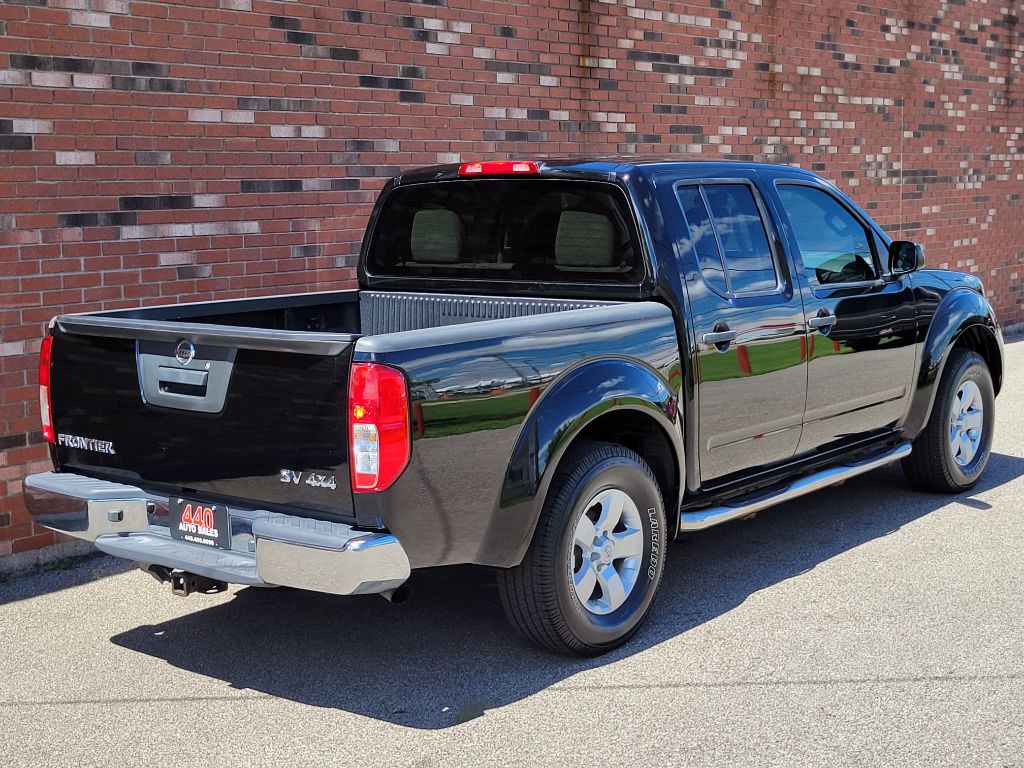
615, 400
963, 320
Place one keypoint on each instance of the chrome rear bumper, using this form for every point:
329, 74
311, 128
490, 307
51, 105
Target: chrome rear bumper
267, 548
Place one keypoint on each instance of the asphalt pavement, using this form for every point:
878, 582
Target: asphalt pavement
867, 624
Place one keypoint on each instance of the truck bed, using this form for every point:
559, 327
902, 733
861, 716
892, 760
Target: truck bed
265, 393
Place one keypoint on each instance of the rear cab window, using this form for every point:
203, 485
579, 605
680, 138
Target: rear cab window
727, 232
546, 230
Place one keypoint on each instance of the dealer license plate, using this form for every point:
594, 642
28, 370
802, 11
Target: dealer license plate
196, 522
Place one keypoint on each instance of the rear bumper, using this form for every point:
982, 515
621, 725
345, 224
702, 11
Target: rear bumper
267, 548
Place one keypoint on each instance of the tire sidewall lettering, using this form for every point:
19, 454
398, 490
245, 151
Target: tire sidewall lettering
654, 541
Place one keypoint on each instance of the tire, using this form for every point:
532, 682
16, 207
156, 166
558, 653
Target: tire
935, 465
540, 595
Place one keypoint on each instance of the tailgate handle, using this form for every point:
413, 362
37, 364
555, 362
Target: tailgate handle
181, 376
165, 382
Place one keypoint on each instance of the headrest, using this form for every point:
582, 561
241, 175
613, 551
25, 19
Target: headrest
584, 240
436, 237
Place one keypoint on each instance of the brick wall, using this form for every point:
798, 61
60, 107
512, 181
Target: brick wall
199, 149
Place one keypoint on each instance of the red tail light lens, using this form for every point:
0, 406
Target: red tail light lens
499, 168
45, 412
378, 426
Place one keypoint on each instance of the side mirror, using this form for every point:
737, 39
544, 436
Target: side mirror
905, 256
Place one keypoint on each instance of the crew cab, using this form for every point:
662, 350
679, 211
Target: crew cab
549, 368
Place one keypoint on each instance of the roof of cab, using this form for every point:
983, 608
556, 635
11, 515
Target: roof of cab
603, 168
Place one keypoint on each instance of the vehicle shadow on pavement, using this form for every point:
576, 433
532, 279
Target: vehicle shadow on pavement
448, 655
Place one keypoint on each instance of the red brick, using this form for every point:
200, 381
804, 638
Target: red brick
36, 541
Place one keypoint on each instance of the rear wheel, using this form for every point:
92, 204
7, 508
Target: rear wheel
589, 577
953, 450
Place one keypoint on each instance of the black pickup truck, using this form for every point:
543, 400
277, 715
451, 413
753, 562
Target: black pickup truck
549, 368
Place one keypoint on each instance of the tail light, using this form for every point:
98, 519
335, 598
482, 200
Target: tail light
378, 418
499, 168
45, 412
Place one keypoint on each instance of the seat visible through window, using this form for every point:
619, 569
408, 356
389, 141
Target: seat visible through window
585, 242
436, 237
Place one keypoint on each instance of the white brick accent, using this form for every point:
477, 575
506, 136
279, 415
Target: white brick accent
227, 228
237, 116
204, 115
12, 348
51, 79
145, 231
90, 19
33, 126
110, 6
71, 5
13, 77
76, 158
177, 258
81, 80
208, 201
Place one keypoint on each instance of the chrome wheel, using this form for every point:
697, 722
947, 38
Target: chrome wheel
966, 423
608, 545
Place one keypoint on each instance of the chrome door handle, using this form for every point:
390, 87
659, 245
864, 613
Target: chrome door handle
718, 337
821, 321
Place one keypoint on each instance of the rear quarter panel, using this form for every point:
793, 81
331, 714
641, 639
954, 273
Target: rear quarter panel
475, 389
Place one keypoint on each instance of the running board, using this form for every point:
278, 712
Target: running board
700, 519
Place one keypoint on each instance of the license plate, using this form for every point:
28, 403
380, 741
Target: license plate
196, 522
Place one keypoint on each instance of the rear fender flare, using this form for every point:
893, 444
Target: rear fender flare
573, 401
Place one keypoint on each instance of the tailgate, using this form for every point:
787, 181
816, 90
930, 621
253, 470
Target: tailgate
240, 421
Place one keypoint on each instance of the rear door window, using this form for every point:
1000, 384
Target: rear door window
507, 229
702, 237
729, 238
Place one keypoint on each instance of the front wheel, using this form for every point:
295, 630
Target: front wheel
953, 450
588, 579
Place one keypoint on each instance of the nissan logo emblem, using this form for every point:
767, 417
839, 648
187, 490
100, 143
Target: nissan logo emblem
185, 351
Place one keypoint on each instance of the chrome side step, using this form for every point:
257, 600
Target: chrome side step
700, 519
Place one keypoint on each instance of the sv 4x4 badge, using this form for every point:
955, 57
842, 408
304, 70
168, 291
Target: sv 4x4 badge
312, 478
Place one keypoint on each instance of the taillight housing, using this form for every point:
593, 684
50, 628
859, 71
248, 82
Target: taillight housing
45, 411
500, 168
378, 426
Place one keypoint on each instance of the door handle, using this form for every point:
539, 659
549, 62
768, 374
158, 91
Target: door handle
821, 321
718, 337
